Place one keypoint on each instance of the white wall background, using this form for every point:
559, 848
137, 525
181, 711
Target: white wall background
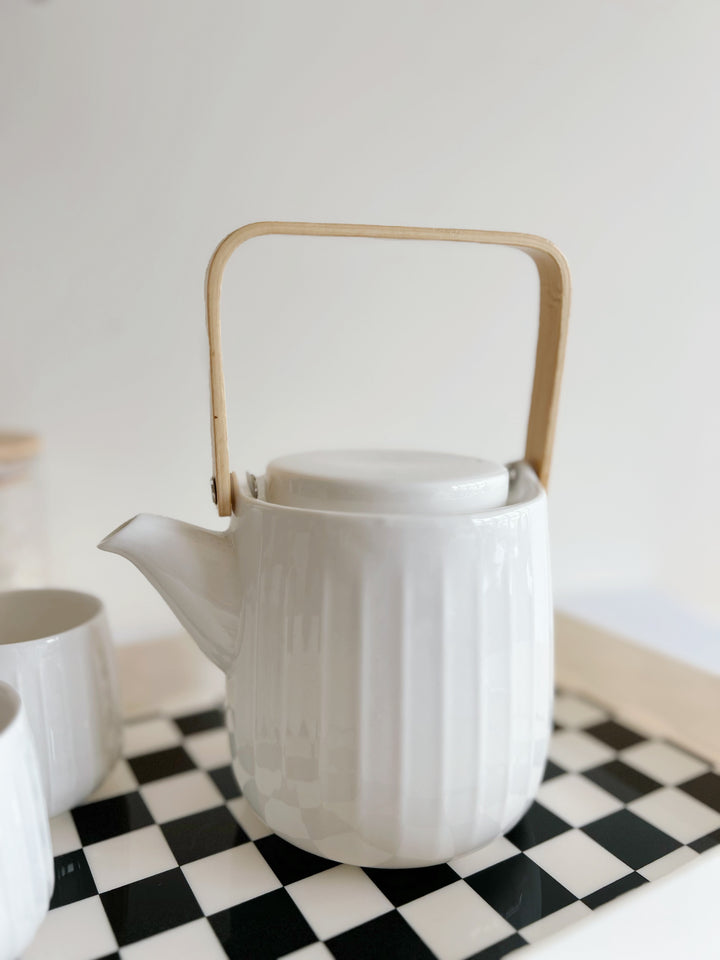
136, 133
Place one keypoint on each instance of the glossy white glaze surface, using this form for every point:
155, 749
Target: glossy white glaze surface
26, 864
55, 650
385, 481
389, 676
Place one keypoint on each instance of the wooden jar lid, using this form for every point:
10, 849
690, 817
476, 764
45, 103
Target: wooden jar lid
18, 446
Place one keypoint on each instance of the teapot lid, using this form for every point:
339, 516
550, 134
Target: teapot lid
385, 481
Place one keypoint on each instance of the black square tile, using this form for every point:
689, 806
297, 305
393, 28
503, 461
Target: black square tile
537, 825
150, 906
624, 782
612, 890
224, 780
73, 879
402, 886
520, 890
290, 863
388, 936
705, 788
501, 949
202, 834
162, 763
630, 838
705, 843
198, 722
263, 928
552, 770
109, 818
614, 734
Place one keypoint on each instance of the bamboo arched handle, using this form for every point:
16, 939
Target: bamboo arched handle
554, 310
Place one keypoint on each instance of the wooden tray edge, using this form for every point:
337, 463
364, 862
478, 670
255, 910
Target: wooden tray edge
656, 693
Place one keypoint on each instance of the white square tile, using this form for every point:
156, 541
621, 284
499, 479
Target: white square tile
230, 877
676, 813
455, 922
555, 921
578, 863
147, 736
571, 711
120, 780
209, 749
316, 951
248, 819
129, 857
662, 762
63, 834
181, 795
192, 941
668, 863
493, 853
576, 799
338, 899
78, 931
574, 750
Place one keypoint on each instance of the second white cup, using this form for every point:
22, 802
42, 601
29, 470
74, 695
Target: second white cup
56, 651
26, 863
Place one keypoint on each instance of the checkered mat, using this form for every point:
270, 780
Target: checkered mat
168, 861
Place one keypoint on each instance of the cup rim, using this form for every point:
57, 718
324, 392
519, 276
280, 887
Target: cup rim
94, 608
6, 725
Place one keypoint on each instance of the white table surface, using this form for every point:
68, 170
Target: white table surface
674, 918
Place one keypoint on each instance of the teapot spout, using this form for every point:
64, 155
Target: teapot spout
195, 572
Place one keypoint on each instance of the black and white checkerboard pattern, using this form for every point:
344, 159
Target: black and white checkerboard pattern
168, 862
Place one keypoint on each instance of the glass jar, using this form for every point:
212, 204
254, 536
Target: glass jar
22, 546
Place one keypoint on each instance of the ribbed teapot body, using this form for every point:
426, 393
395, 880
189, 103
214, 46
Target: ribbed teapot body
389, 703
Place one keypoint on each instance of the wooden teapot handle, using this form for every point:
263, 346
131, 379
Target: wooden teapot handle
554, 309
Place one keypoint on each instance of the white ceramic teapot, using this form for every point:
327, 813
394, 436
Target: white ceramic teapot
384, 618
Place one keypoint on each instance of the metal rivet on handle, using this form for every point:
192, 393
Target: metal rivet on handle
252, 485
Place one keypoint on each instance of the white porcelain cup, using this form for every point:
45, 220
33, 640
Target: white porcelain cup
56, 651
26, 863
